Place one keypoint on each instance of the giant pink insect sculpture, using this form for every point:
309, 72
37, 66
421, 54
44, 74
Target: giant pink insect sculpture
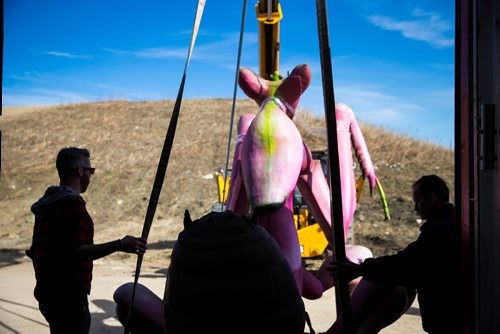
271, 159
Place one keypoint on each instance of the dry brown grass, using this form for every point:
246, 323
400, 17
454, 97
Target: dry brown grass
125, 140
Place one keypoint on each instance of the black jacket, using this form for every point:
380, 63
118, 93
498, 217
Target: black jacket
429, 264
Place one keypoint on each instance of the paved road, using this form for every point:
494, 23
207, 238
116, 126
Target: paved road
19, 312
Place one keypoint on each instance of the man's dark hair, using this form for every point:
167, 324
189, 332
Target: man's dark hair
433, 184
68, 159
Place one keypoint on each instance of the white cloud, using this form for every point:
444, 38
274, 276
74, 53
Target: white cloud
374, 106
41, 96
212, 50
427, 116
368, 104
152, 53
428, 27
116, 92
28, 76
66, 55
15, 99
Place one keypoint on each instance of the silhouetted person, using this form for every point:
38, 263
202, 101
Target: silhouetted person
63, 246
428, 266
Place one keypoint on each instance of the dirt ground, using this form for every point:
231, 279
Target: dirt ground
19, 312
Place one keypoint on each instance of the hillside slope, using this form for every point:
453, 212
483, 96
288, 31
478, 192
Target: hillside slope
125, 140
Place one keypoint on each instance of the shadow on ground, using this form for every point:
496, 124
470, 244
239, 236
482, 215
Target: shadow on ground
5, 306
106, 317
10, 257
413, 311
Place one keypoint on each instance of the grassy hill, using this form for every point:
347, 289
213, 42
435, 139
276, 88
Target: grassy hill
125, 140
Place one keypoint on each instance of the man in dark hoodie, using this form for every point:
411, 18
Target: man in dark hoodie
428, 266
63, 248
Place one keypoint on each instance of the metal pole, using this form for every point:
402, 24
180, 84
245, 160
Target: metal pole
343, 300
163, 163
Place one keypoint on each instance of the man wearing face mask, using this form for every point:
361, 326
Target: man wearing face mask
63, 246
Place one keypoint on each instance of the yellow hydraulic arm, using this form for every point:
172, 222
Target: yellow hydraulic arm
269, 15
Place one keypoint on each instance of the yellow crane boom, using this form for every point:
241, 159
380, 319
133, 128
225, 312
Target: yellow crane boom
269, 16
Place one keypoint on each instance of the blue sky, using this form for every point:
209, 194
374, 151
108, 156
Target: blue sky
393, 61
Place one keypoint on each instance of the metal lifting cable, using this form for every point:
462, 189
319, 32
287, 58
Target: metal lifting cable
341, 285
165, 155
233, 108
